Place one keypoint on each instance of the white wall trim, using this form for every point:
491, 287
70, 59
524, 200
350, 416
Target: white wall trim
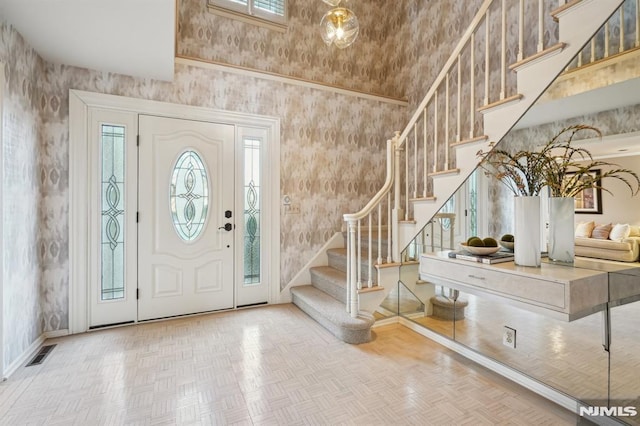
2, 82
386, 321
303, 276
78, 223
56, 333
22, 359
280, 78
31, 351
80, 103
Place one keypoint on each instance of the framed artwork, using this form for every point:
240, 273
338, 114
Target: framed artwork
590, 200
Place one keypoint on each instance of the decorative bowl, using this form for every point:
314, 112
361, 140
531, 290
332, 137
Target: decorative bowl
507, 244
481, 251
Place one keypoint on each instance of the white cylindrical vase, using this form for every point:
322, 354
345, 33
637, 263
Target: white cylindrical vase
526, 233
561, 229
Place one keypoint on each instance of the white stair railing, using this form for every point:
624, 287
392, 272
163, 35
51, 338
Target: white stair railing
478, 64
373, 212
614, 38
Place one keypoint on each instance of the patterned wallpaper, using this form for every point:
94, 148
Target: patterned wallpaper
22, 196
332, 155
332, 145
373, 64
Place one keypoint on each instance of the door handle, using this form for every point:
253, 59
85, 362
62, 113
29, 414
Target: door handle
227, 227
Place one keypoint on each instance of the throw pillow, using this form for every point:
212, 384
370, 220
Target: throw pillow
620, 232
601, 232
584, 229
635, 231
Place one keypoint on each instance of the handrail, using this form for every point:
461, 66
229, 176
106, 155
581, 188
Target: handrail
381, 193
445, 69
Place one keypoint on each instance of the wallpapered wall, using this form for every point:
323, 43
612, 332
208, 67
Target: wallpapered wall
332, 150
332, 146
22, 196
374, 64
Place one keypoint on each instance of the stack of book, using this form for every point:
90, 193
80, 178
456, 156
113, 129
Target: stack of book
498, 257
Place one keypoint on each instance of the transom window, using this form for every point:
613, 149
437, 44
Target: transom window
272, 11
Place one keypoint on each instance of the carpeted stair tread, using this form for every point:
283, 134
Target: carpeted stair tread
331, 281
332, 315
338, 260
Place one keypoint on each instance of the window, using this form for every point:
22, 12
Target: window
256, 11
251, 211
189, 195
113, 208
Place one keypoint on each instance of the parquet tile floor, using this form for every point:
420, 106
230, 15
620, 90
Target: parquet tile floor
264, 366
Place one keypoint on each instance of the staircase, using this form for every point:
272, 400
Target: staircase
325, 298
471, 106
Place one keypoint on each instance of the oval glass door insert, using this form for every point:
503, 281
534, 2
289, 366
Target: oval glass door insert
189, 196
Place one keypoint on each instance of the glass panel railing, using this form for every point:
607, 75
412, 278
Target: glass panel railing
389, 306
409, 305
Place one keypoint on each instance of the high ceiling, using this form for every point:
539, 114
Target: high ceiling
132, 37
137, 38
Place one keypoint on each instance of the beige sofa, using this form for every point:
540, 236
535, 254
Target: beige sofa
623, 251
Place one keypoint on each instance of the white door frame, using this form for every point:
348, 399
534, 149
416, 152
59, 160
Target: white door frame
1, 222
80, 103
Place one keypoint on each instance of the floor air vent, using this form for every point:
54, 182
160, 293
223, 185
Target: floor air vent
41, 355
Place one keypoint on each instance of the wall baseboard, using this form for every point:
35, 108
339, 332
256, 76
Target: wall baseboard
28, 353
31, 351
55, 333
385, 321
303, 277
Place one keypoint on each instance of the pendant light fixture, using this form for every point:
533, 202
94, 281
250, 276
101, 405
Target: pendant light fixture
339, 26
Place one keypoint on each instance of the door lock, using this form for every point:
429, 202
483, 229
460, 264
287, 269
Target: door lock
227, 227
227, 214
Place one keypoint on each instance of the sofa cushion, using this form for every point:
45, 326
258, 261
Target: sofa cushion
620, 232
617, 255
601, 232
634, 231
584, 229
595, 243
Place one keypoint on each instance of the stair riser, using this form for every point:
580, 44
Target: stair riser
340, 263
333, 317
329, 286
364, 243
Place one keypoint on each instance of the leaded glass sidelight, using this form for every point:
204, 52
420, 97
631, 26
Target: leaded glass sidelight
189, 195
251, 211
112, 240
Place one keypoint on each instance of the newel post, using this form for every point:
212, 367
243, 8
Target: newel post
397, 212
352, 269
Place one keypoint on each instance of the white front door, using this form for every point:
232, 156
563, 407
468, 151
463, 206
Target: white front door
186, 217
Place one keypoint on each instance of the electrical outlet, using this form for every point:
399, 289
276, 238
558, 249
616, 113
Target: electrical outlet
509, 337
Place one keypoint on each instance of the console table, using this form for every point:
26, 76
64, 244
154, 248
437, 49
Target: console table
558, 291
